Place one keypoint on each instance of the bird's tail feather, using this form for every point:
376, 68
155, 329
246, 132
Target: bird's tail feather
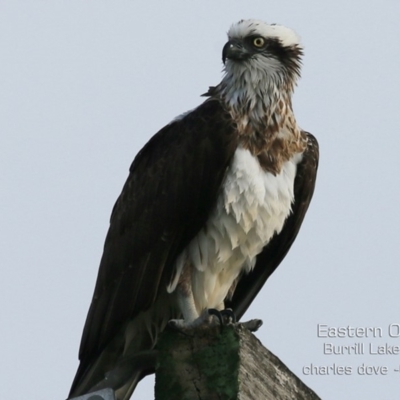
123, 378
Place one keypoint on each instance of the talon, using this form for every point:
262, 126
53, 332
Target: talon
216, 313
225, 317
173, 324
229, 315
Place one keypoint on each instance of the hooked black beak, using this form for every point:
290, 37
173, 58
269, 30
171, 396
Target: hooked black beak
235, 51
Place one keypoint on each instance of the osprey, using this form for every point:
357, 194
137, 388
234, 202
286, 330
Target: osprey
210, 208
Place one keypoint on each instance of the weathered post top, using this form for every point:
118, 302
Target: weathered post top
223, 363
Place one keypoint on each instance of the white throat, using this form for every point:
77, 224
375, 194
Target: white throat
255, 91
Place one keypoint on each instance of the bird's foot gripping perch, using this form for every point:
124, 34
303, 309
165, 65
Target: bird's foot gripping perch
212, 317
227, 317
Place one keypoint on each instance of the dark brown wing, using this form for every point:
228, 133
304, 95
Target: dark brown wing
172, 187
268, 260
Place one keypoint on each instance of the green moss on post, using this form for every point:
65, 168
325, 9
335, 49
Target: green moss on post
219, 362
205, 362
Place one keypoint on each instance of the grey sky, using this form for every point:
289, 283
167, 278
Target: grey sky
84, 84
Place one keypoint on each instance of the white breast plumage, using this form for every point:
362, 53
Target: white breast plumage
251, 208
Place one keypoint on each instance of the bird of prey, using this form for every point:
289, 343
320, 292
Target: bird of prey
211, 206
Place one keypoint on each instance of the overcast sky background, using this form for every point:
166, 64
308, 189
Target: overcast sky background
85, 84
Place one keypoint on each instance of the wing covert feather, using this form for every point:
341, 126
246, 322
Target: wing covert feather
171, 189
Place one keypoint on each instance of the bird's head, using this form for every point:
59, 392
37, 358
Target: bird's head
258, 55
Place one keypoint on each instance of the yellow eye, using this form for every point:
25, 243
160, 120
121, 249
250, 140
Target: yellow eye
259, 42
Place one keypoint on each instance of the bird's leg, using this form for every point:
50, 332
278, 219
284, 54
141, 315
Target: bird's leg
191, 317
186, 304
